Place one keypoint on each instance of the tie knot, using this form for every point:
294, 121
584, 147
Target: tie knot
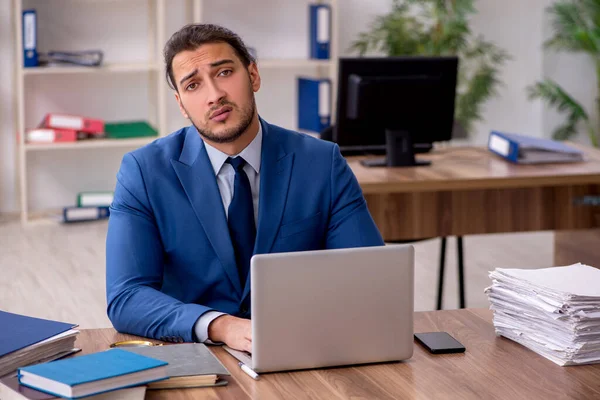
237, 163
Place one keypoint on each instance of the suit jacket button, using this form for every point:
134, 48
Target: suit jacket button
180, 339
243, 309
162, 338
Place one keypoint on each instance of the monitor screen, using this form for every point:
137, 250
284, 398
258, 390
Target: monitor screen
411, 94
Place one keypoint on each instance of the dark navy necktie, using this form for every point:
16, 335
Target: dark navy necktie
240, 219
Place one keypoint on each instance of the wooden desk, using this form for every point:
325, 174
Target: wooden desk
491, 368
469, 190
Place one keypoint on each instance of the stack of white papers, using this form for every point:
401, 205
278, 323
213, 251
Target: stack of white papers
552, 311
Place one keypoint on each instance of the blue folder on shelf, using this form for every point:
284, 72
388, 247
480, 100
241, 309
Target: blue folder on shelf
521, 149
20, 331
320, 31
30, 54
314, 104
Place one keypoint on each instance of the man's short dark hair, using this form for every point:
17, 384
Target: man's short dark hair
192, 36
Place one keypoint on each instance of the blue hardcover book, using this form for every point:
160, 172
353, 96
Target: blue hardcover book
320, 31
20, 331
523, 149
93, 373
314, 104
30, 54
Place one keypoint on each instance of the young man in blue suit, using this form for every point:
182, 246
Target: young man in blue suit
190, 209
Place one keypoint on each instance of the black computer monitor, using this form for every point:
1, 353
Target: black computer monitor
395, 106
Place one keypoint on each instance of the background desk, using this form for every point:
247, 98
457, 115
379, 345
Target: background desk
469, 191
492, 368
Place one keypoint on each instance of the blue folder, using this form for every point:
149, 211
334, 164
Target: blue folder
314, 104
320, 31
19, 331
30, 54
521, 149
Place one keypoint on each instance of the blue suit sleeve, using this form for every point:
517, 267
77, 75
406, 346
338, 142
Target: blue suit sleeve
134, 266
350, 224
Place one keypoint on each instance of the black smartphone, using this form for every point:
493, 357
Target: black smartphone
439, 342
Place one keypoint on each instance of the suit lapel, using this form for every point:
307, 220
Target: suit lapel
275, 171
197, 177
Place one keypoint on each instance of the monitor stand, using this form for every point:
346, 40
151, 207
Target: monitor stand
399, 152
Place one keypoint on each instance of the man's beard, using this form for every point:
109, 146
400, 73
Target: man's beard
233, 133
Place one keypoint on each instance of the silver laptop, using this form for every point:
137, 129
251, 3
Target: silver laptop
331, 308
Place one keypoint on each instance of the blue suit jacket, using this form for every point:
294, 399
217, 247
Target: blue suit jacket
169, 257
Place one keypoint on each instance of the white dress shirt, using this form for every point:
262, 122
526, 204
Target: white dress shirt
225, 177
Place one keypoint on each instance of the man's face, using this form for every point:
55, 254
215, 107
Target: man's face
216, 91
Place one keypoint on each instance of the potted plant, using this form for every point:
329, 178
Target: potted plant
441, 28
576, 25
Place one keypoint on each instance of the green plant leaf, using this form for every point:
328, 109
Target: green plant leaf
396, 33
481, 87
555, 96
565, 131
440, 27
575, 25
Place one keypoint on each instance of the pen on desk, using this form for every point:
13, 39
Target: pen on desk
247, 370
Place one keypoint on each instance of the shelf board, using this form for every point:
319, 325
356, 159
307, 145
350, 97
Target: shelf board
90, 144
106, 68
310, 133
292, 63
145, 67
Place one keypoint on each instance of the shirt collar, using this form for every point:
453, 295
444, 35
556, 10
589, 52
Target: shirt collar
251, 154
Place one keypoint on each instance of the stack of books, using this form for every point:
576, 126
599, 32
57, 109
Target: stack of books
111, 371
552, 311
26, 340
10, 389
90, 206
57, 127
65, 128
93, 374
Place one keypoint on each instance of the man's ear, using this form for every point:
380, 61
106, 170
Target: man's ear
254, 76
181, 109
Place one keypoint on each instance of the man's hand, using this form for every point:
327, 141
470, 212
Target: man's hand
234, 332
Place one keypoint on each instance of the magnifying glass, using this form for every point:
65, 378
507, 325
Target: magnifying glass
134, 343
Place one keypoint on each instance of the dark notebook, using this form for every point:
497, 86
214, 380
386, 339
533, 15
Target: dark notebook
19, 331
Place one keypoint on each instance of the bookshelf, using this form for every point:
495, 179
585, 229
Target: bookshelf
90, 144
157, 88
152, 68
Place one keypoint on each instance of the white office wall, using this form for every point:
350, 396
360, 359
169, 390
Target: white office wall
518, 26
